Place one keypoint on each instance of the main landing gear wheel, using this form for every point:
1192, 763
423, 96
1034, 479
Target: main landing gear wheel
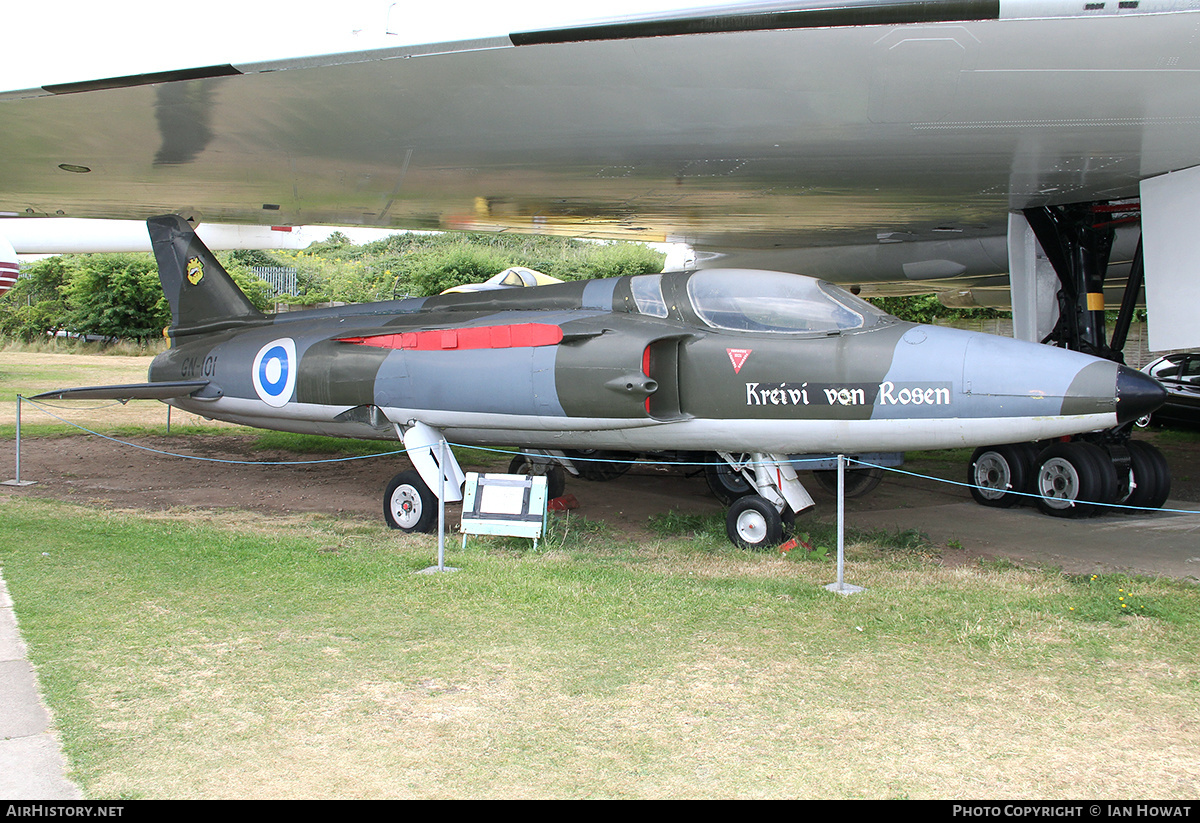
1151, 476
408, 504
858, 481
753, 523
725, 482
556, 476
1072, 478
600, 465
1000, 475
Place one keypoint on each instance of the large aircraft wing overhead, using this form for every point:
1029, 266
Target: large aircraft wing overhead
889, 140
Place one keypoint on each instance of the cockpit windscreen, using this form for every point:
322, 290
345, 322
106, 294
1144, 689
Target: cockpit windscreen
765, 301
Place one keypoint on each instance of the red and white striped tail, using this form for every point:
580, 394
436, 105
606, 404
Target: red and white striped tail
8, 275
8, 266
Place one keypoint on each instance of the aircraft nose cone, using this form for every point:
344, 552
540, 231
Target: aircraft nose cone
1137, 394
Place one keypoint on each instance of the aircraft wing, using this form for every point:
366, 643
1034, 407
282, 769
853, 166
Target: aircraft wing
889, 139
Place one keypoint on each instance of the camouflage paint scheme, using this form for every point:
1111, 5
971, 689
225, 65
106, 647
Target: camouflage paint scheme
624, 363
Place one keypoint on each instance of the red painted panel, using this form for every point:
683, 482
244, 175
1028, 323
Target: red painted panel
520, 335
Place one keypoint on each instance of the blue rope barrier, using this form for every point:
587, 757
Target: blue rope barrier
849, 460
1022, 494
211, 459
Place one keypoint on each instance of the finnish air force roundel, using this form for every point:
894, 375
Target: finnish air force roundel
274, 372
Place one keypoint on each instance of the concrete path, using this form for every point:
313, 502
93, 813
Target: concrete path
1157, 544
31, 761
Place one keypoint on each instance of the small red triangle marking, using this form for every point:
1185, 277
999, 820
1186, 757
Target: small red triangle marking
738, 358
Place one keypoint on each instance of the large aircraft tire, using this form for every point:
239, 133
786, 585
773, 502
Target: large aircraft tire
999, 476
408, 504
726, 484
556, 476
858, 481
1109, 485
753, 523
1072, 478
1151, 476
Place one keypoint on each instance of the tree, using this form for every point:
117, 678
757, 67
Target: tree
925, 308
117, 296
36, 305
260, 293
427, 263
434, 273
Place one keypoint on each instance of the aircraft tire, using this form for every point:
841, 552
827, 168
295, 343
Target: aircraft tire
408, 504
753, 523
1000, 475
556, 476
858, 481
726, 484
1151, 476
1072, 478
600, 465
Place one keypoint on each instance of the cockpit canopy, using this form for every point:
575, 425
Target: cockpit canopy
767, 301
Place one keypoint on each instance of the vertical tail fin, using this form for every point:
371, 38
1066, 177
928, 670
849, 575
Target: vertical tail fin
202, 295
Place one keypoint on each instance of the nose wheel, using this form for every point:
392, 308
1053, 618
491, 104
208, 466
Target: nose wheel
754, 523
766, 497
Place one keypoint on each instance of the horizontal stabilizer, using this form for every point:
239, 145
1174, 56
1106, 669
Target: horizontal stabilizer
133, 391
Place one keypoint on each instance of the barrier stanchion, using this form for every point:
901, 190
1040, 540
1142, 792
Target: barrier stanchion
441, 495
18, 481
841, 586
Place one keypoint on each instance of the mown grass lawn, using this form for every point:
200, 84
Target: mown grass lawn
200, 654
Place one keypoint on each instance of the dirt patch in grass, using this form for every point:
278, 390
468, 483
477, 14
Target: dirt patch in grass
223, 471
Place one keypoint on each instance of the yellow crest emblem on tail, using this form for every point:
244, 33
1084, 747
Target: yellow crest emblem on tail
195, 270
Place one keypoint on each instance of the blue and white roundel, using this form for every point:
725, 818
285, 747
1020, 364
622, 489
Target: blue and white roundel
274, 371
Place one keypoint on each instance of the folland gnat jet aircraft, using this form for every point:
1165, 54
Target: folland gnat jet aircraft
749, 365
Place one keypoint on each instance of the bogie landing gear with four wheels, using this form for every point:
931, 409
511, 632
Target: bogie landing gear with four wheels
1071, 479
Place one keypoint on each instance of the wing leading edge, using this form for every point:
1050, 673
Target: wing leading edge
135, 391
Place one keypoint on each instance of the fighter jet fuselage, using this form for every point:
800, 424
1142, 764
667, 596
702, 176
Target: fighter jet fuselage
747, 366
704, 360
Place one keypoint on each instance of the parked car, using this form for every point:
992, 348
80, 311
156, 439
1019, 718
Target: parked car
1180, 374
